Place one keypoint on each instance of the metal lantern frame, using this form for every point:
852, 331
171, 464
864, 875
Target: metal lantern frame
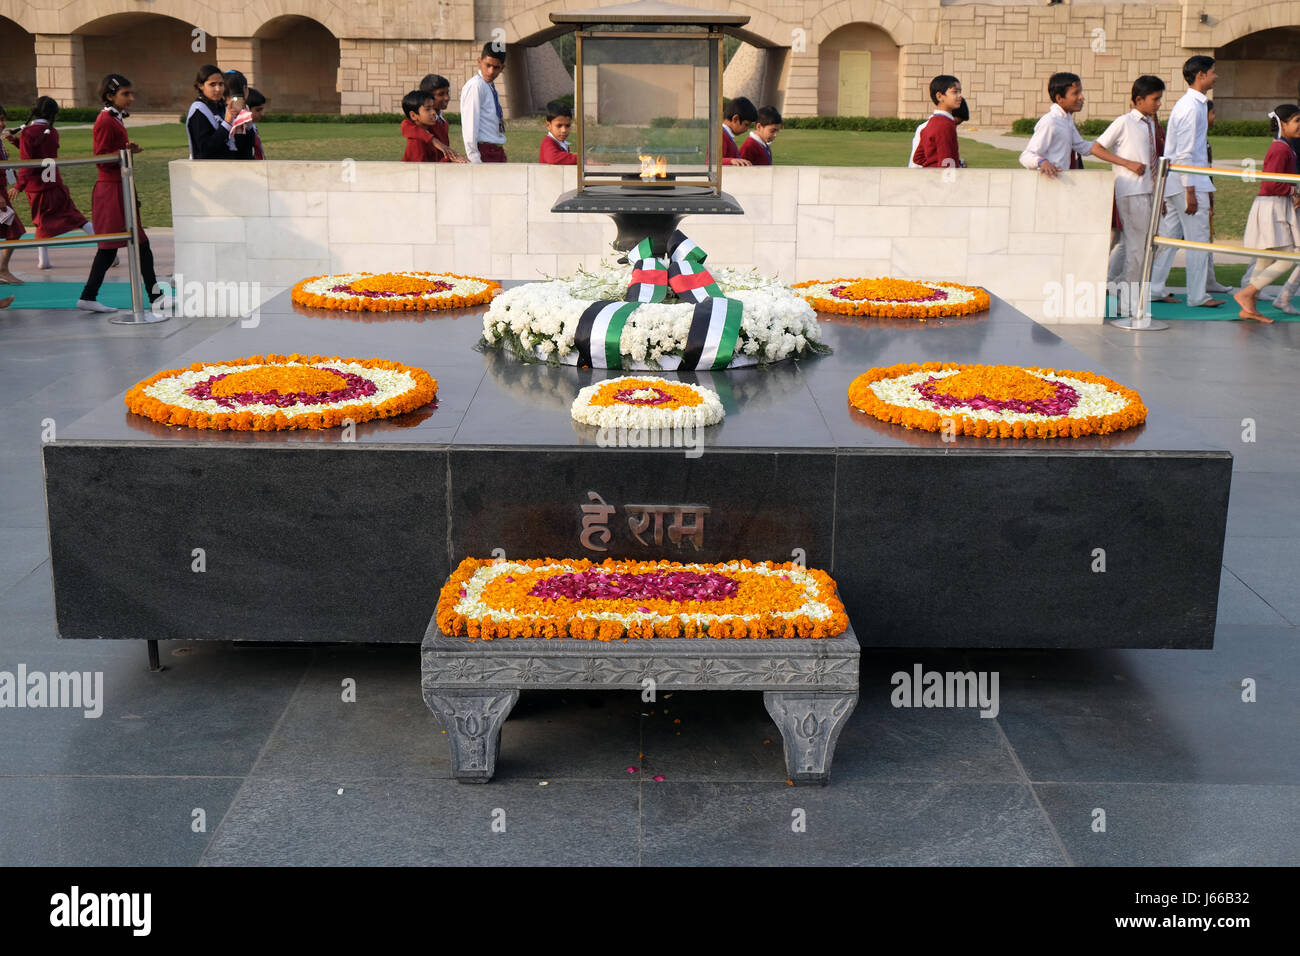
709, 34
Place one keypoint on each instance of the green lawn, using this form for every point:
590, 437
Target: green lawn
808, 147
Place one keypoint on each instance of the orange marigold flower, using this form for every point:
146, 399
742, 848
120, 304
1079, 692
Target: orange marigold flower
764, 604
886, 298
401, 292
283, 374
999, 382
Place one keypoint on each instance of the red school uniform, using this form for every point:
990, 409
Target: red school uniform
552, 152
730, 152
1279, 159
419, 144
53, 211
938, 144
13, 229
109, 136
756, 151
440, 133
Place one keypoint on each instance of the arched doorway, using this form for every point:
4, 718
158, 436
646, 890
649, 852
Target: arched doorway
1256, 73
155, 52
297, 66
857, 72
18, 79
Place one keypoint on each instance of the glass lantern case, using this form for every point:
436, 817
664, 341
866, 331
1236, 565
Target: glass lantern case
648, 115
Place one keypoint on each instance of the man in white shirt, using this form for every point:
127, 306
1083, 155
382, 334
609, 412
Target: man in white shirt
1055, 135
1187, 195
482, 124
1133, 137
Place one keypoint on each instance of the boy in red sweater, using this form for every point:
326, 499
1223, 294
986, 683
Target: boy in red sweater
738, 115
555, 144
757, 147
424, 128
440, 88
938, 143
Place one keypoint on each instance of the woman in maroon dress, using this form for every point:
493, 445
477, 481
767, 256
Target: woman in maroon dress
109, 136
53, 211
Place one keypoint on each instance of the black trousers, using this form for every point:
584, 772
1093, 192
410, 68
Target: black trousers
104, 261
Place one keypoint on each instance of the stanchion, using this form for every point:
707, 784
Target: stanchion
138, 315
1139, 319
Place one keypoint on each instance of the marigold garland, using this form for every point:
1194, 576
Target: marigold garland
633, 402
282, 374
976, 382
893, 298
394, 291
629, 390
770, 602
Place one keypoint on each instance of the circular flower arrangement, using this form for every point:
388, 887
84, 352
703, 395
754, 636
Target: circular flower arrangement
394, 291
551, 598
998, 401
892, 298
273, 392
629, 402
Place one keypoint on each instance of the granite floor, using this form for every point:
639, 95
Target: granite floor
244, 754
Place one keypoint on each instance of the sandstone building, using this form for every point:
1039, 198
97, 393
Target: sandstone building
850, 57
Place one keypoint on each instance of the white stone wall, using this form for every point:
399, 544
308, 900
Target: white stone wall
1012, 231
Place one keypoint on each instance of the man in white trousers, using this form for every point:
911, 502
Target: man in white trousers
1187, 195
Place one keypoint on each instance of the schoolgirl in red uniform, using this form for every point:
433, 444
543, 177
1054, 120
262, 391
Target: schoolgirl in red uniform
109, 136
53, 211
11, 227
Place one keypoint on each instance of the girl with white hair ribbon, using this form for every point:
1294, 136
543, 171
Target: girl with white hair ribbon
1273, 223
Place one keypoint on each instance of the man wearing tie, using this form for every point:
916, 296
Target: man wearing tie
1187, 195
482, 123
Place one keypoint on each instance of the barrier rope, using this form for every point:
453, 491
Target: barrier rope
139, 315
1140, 320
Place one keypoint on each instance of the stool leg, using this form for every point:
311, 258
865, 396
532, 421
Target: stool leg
810, 724
473, 724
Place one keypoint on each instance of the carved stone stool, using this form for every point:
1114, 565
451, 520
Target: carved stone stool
810, 687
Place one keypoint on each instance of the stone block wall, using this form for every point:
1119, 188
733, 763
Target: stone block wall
1012, 231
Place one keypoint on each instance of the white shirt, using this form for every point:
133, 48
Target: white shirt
916, 141
1187, 140
1055, 136
1132, 136
478, 117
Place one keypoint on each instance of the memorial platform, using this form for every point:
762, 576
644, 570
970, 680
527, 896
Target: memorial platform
308, 536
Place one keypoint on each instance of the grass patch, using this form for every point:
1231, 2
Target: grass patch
383, 142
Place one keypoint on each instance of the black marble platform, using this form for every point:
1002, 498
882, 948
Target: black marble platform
308, 537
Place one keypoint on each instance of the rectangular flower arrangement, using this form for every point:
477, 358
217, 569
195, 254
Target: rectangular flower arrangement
615, 600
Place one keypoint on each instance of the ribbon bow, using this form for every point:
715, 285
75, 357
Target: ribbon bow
687, 276
715, 325
649, 275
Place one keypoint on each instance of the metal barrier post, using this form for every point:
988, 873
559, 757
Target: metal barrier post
1139, 319
139, 314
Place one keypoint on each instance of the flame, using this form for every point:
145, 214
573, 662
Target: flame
653, 167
